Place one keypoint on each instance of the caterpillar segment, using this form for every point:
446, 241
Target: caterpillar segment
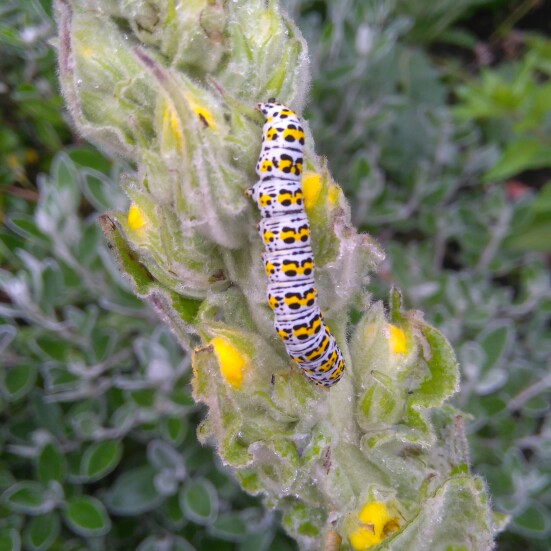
276, 197
283, 232
289, 265
288, 258
285, 297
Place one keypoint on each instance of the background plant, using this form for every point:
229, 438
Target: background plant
430, 223
33, 127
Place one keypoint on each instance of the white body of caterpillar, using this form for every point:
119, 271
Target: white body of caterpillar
288, 259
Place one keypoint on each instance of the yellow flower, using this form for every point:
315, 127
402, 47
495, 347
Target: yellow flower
311, 188
85, 51
397, 340
203, 113
232, 361
136, 219
171, 124
204, 116
374, 526
333, 193
31, 156
12, 161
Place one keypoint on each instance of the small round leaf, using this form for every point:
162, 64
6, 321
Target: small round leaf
134, 492
229, 527
86, 516
10, 540
199, 501
19, 380
27, 497
163, 456
174, 429
50, 464
100, 459
41, 532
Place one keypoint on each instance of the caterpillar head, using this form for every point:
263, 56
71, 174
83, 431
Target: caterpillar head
272, 110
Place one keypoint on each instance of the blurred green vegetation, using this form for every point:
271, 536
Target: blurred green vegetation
436, 119
33, 124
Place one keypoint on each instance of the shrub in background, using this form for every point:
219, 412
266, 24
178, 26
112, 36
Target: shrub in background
32, 127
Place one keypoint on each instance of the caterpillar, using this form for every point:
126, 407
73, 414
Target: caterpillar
288, 258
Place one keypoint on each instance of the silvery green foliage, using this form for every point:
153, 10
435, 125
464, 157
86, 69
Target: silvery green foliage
33, 125
455, 246
98, 441
171, 87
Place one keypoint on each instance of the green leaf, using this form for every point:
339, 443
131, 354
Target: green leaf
48, 415
24, 225
27, 497
19, 380
182, 397
64, 174
156, 543
91, 158
230, 527
7, 334
58, 379
173, 512
533, 238
41, 532
174, 429
53, 287
50, 464
444, 371
199, 501
10, 540
533, 520
144, 397
542, 202
134, 492
163, 456
51, 347
86, 423
100, 459
520, 155
495, 341
86, 516
101, 192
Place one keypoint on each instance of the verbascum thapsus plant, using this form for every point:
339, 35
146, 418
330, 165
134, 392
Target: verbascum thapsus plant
376, 460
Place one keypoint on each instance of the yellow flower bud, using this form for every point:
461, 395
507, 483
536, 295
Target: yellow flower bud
136, 219
12, 161
311, 188
204, 116
333, 194
85, 51
375, 524
397, 340
171, 124
202, 112
31, 156
232, 361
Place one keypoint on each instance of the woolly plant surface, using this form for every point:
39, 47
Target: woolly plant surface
377, 461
